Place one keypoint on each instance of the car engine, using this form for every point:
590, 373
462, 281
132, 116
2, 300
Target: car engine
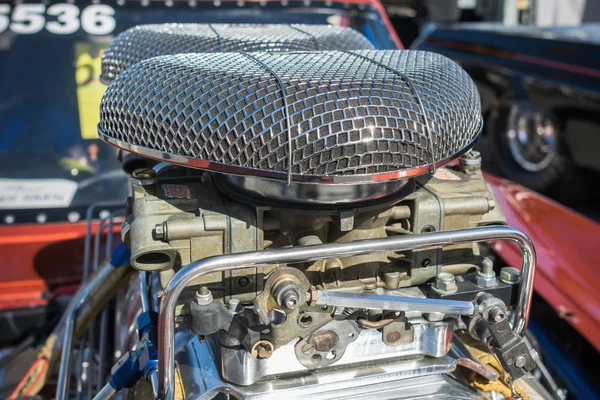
307, 221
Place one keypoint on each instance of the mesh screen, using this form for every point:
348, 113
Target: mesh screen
146, 41
351, 112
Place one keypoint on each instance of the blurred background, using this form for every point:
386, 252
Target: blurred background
535, 63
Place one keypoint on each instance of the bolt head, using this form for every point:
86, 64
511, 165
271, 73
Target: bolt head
243, 281
445, 281
324, 341
393, 336
510, 275
159, 232
486, 280
520, 361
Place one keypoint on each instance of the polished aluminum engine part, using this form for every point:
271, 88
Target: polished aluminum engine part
418, 378
146, 41
186, 276
331, 117
309, 193
432, 339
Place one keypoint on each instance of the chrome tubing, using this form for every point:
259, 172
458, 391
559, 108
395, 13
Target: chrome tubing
104, 315
144, 291
329, 298
82, 295
185, 276
106, 393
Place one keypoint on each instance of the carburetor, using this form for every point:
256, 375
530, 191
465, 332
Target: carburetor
176, 220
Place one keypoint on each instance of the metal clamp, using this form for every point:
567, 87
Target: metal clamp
185, 276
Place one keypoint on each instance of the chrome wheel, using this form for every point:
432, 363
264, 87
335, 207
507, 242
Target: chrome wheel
532, 138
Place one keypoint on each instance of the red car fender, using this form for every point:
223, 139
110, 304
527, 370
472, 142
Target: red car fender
567, 245
37, 259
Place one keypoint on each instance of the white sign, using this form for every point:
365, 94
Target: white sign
59, 19
36, 193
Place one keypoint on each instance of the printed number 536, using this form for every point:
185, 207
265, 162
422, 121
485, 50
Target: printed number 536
59, 19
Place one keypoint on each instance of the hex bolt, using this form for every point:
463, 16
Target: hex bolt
510, 275
445, 282
520, 361
486, 277
203, 296
159, 231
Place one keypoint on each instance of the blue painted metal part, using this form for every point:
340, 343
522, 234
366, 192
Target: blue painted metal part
120, 256
142, 362
563, 366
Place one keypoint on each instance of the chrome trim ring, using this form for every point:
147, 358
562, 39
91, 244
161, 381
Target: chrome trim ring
243, 171
313, 193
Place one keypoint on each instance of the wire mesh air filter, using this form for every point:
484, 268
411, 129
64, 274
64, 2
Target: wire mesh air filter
146, 41
351, 116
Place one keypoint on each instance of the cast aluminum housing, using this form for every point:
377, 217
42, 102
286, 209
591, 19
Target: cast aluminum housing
338, 116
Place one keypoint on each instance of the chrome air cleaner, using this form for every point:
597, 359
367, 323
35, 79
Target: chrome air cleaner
133, 45
345, 117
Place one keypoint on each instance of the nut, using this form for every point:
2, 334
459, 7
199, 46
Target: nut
486, 277
510, 275
203, 296
445, 282
289, 295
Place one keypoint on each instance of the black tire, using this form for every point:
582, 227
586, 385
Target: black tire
560, 179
